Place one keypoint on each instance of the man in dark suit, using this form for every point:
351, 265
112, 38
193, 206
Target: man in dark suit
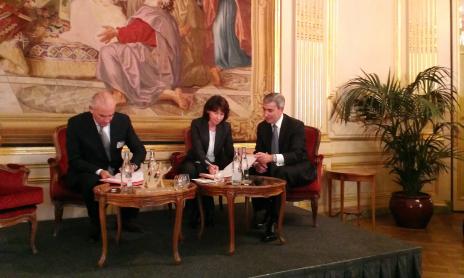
280, 152
94, 141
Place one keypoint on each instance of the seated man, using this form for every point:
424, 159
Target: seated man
280, 152
94, 141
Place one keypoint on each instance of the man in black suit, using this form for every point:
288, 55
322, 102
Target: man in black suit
94, 141
280, 152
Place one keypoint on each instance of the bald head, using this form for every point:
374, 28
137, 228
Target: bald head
102, 107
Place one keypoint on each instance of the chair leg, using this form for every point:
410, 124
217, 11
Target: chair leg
59, 206
314, 208
33, 231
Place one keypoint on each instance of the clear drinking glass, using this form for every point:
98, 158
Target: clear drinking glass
177, 182
185, 180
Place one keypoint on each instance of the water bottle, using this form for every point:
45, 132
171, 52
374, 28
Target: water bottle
245, 167
237, 169
126, 171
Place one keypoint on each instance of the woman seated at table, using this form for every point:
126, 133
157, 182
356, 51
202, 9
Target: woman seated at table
212, 150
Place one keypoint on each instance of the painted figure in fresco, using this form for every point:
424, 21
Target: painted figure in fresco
230, 21
144, 66
191, 20
87, 18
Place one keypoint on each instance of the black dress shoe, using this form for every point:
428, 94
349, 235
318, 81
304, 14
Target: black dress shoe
268, 237
259, 220
131, 227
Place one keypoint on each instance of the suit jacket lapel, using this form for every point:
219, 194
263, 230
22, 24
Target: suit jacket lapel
204, 135
218, 138
268, 134
283, 134
96, 136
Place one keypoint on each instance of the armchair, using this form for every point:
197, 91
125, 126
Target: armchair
18, 201
310, 191
60, 194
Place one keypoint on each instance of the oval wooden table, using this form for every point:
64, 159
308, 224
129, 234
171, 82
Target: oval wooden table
267, 188
141, 197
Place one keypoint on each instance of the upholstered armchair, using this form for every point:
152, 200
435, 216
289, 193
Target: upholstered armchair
60, 194
310, 191
18, 201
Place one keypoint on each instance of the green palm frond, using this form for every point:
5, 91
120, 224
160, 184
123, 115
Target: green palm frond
400, 117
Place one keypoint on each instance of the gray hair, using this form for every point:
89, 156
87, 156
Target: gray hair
102, 98
277, 98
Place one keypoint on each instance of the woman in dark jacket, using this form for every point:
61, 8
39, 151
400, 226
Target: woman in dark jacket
212, 150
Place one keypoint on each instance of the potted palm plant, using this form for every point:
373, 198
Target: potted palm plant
412, 125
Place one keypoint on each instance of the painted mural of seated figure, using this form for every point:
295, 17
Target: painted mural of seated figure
87, 18
144, 65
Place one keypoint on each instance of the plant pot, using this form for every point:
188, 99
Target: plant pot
411, 211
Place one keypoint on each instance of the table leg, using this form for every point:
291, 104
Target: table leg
373, 193
231, 208
329, 184
119, 224
342, 198
177, 230
283, 198
202, 215
358, 194
102, 214
247, 213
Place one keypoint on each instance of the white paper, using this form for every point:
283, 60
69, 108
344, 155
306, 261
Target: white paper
203, 181
137, 177
227, 171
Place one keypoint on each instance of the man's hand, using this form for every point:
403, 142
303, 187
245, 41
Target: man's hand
105, 174
260, 168
263, 158
213, 169
108, 34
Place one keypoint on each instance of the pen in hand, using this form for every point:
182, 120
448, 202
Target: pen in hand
214, 169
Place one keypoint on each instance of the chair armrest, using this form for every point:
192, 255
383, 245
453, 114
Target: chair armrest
12, 176
176, 160
55, 174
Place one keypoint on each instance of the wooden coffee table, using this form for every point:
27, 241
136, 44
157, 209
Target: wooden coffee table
267, 188
140, 198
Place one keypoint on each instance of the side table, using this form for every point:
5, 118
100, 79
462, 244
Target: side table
357, 175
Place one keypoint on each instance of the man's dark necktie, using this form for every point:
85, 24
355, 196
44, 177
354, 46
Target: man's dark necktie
275, 139
105, 141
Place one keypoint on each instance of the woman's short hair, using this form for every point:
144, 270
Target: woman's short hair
216, 103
